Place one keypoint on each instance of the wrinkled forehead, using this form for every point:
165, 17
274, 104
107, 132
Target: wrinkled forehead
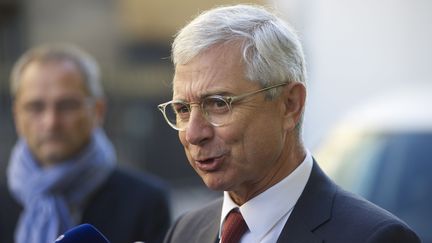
219, 69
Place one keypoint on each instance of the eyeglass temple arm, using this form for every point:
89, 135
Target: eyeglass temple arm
235, 98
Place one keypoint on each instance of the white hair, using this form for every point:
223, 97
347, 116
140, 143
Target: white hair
270, 48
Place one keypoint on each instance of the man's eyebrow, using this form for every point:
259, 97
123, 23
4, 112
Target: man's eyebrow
221, 93
207, 94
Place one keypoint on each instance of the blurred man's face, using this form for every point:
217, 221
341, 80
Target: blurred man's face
246, 155
53, 111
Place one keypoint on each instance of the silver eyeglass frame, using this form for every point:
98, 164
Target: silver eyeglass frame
227, 99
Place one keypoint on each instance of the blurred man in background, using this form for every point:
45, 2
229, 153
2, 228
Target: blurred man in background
238, 98
62, 170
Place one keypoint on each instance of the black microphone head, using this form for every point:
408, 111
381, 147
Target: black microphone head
84, 233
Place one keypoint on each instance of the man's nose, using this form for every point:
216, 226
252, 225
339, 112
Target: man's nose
50, 117
198, 129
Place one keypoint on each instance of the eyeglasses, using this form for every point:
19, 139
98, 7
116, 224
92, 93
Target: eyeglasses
216, 109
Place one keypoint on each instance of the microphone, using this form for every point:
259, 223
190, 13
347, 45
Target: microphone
84, 233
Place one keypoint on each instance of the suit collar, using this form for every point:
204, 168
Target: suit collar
208, 232
312, 209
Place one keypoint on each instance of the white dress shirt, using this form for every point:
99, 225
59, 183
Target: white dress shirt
267, 213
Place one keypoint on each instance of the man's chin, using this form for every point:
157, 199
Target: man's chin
51, 156
214, 183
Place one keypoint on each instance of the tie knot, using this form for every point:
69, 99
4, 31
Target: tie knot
234, 227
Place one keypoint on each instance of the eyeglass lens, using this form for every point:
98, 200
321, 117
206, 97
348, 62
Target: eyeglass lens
215, 109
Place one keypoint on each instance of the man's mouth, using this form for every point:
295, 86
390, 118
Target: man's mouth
210, 164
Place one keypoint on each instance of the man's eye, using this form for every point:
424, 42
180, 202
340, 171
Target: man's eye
34, 107
216, 105
68, 105
220, 103
180, 108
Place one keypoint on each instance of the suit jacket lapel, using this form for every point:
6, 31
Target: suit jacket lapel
311, 210
209, 232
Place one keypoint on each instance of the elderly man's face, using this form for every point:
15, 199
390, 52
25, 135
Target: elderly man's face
53, 112
245, 155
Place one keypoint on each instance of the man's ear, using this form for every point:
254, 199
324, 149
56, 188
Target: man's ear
294, 99
100, 108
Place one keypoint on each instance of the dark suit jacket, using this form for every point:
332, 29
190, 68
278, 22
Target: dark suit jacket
323, 213
129, 207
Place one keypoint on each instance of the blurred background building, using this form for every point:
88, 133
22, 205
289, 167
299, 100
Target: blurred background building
356, 50
131, 40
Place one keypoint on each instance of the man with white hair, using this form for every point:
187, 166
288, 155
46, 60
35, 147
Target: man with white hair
238, 100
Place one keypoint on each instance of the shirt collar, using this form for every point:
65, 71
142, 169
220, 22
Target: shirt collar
262, 212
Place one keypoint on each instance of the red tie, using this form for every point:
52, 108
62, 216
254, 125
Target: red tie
234, 227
